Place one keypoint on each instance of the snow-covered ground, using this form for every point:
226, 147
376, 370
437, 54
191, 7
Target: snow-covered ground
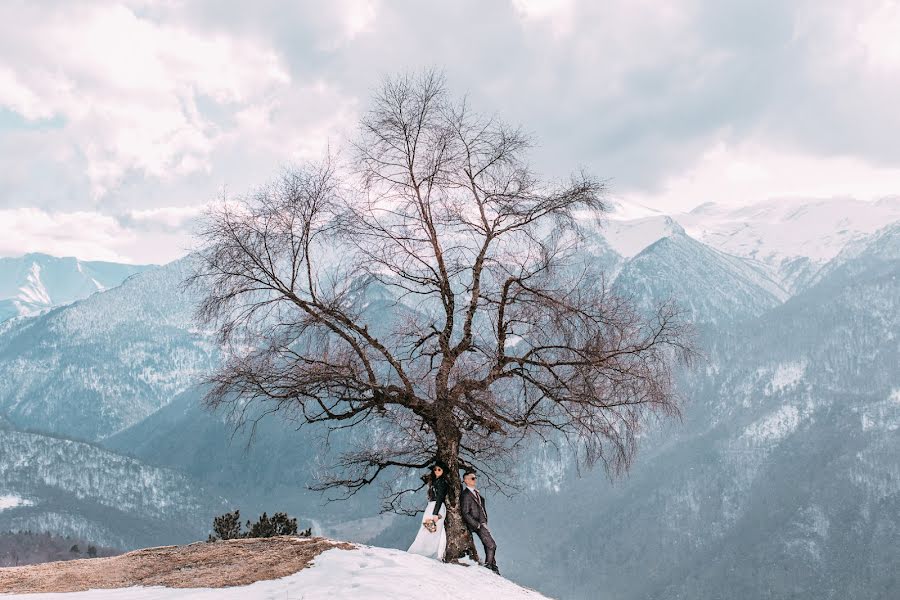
366, 573
8, 501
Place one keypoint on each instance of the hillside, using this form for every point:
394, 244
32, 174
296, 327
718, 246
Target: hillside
35, 282
95, 367
30, 548
782, 480
710, 286
257, 569
81, 490
785, 460
792, 238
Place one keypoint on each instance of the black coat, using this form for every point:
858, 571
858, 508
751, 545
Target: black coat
474, 512
437, 491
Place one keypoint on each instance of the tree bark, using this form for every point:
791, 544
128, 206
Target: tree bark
459, 539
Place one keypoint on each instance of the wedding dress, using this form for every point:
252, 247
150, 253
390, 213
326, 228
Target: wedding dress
427, 543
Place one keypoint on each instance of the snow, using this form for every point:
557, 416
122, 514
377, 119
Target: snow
624, 210
34, 290
774, 427
34, 282
366, 573
883, 415
782, 229
630, 237
786, 375
9, 501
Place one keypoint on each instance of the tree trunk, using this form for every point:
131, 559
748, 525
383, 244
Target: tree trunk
459, 538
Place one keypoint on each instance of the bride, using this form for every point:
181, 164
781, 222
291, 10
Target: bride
431, 540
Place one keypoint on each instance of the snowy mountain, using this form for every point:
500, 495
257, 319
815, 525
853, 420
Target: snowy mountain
793, 238
781, 476
266, 467
92, 368
36, 282
711, 286
81, 490
784, 479
788, 238
630, 237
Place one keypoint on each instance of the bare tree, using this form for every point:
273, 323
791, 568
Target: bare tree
435, 295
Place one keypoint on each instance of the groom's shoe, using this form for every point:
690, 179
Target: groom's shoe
493, 568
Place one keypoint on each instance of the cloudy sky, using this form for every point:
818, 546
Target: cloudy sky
120, 120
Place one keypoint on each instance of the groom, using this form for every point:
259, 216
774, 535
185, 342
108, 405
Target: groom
475, 515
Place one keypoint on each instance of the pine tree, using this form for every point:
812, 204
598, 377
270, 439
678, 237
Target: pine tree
226, 527
284, 525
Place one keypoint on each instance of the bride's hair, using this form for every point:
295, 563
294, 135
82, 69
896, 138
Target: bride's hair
429, 478
442, 465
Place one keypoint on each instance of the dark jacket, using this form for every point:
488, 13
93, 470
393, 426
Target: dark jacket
437, 491
474, 512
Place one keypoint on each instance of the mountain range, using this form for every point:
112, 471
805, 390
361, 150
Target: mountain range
781, 480
35, 282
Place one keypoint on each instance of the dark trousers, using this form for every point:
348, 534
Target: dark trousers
490, 546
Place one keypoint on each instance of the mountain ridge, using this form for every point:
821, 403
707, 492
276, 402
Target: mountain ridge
797, 397
36, 281
84, 490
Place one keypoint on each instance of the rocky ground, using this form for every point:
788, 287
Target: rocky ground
200, 565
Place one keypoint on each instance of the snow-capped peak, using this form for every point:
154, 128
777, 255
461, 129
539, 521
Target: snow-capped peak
788, 227
629, 237
33, 289
36, 282
624, 210
790, 238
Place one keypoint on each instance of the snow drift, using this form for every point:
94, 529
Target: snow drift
260, 569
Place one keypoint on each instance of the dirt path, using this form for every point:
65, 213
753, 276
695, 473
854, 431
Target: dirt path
199, 565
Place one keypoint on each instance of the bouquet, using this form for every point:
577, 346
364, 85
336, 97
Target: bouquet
431, 523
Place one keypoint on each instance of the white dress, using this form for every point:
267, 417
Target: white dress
427, 543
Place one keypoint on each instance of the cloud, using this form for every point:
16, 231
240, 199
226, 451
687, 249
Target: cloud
169, 218
354, 17
751, 172
559, 14
157, 235
129, 89
86, 235
136, 105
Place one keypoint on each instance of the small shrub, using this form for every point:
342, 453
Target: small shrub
228, 527
92, 551
75, 549
279, 524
